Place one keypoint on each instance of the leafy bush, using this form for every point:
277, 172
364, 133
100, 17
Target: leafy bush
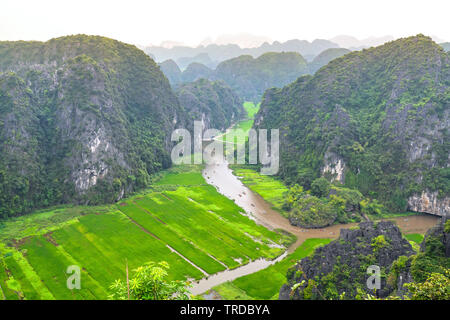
320, 187
148, 283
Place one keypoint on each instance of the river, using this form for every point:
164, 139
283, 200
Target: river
221, 176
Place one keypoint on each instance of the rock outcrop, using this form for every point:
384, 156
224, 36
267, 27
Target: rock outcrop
341, 265
430, 202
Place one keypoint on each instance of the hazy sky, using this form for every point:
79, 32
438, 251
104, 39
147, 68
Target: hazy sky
191, 21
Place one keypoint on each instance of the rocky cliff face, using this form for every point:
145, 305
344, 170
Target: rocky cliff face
376, 120
334, 167
430, 202
84, 119
433, 257
341, 265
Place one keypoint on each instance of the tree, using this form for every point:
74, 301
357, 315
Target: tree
320, 187
436, 287
149, 283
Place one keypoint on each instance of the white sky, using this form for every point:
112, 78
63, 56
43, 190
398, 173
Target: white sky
191, 21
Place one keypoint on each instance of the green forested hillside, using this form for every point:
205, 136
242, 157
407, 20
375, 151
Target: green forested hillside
83, 118
249, 77
325, 57
211, 101
195, 71
376, 120
171, 71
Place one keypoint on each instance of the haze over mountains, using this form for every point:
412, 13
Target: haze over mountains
76, 107
249, 77
229, 46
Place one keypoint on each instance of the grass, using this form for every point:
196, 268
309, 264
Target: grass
416, 237
268, 187
180, 211
387, 215
251, 109
266, 284
239, 133
44, 221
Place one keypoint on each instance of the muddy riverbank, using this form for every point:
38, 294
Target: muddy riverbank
221, 176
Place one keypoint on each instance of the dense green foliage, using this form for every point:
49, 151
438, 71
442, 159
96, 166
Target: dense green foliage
238, 134
323, 205
171, 71
249, 77
211, 101
193, 72
149, 283
83, 118
181, 212
325, 57
383, 112
429, 269
196, 71
265, 284
339, 269
435, 287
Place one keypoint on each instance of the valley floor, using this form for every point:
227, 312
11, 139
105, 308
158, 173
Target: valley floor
203, 221
182, 220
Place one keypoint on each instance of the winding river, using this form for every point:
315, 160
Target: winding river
221, 176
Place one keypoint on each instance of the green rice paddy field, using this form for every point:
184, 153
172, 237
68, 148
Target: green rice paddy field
266, 284
239, 133
182, 220
268, 187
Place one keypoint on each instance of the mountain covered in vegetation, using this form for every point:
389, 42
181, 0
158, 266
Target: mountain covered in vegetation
195, 71
340, 266
338, 270
171, 71
250, 77
376, 121
201, 58
325, 57
82, 118
212, 102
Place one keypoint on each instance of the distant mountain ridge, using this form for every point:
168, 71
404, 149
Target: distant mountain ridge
219, 53
250, 77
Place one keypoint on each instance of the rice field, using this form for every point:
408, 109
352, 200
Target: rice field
239, 133
266, 284
181, 220
268, 187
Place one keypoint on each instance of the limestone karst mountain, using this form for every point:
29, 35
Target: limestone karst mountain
376, 120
